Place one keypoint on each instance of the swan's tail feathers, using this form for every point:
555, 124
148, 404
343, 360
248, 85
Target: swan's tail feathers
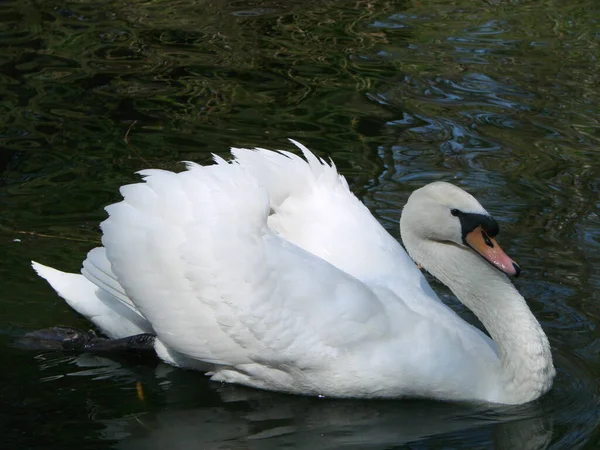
108, 313
74, 288
97, 269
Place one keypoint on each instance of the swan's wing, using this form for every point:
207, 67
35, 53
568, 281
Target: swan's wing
312, 206
194, 253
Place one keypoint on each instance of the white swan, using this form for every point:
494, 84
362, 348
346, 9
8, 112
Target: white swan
267, 271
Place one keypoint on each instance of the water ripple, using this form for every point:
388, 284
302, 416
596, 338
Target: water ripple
500, 98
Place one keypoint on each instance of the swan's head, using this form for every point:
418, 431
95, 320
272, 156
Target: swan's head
446, 214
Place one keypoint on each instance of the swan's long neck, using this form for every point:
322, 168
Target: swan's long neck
526, 370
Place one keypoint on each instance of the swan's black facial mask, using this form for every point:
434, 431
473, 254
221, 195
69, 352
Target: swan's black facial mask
478, 231
470, 221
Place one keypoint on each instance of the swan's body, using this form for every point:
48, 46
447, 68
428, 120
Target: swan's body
267, 271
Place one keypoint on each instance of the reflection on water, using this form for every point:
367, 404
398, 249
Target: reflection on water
243, 417
180, 409
500, 97
301, 423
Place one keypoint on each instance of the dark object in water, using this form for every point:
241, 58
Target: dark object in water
72, 339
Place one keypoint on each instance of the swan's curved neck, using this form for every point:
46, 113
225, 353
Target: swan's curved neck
526, 370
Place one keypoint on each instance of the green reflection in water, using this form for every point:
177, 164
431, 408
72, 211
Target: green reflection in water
501, 97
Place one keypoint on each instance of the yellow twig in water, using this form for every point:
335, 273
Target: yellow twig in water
126, 138
140, 390
33, 233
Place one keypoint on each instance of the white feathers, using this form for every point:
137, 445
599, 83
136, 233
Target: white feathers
115, 317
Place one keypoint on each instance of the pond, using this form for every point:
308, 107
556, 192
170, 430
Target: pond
499, 97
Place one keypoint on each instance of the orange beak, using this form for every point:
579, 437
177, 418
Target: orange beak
489, 249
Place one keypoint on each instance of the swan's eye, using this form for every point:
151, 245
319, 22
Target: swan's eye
487, 239
455, 212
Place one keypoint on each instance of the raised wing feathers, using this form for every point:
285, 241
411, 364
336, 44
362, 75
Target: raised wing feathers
195, 254
313, 207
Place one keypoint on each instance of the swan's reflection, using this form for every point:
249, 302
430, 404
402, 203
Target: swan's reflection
237, 417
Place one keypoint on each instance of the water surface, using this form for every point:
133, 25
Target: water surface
499, 97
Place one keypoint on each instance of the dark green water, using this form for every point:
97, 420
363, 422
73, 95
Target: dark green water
500, 97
